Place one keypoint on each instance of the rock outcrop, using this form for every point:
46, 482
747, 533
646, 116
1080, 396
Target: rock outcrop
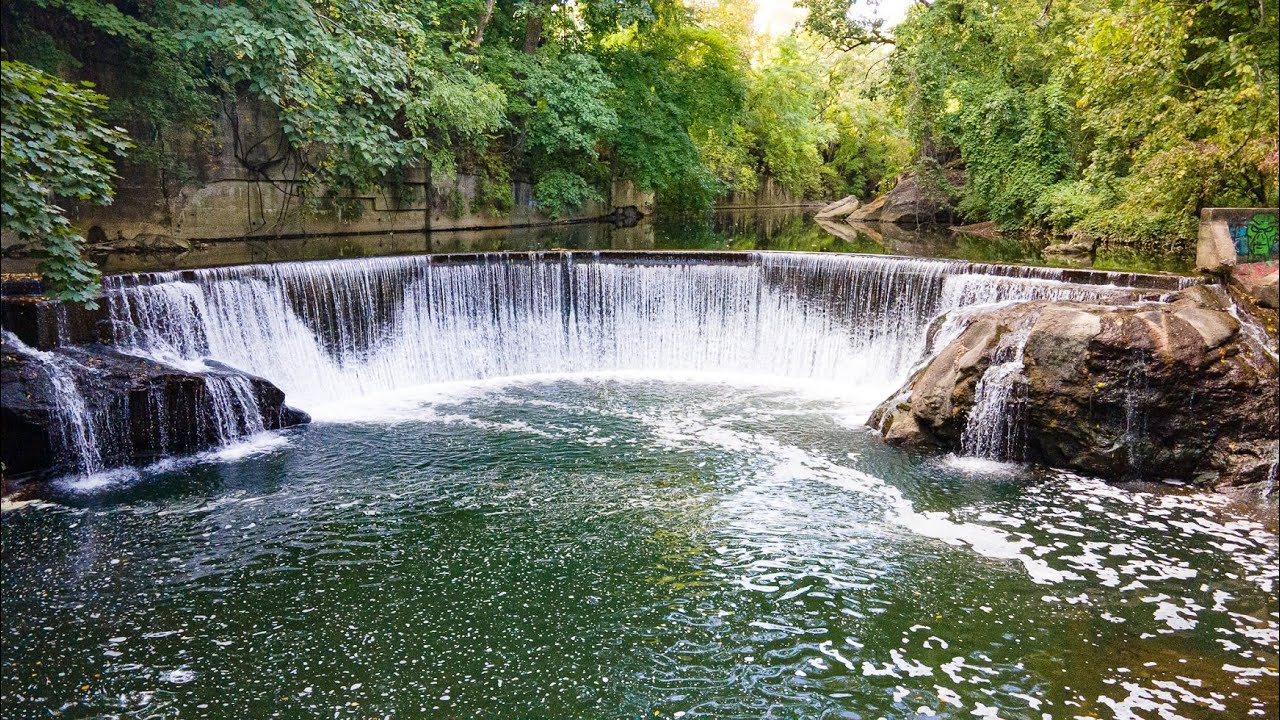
1260, 281
58, 407
912, 202
1070, 248
1151, 390
144, 243
839, 208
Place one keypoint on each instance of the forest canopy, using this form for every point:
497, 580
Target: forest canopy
1117, 119
1114, 119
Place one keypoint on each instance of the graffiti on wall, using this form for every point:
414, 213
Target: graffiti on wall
1255, 239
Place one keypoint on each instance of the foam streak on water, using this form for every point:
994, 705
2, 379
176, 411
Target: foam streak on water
626, 546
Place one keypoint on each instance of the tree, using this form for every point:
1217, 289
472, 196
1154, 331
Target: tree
1179, 106
54, 147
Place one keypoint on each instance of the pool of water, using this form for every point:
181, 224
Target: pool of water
627, 545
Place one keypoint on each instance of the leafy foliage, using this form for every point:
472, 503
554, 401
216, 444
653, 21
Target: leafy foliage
559, 191
1111, 119
359, 88
781, 117
1179, 105
53, 147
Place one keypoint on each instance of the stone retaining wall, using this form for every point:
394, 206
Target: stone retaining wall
240, 182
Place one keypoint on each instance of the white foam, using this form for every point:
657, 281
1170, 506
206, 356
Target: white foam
848, 402
263, 443
971, 465
97, 482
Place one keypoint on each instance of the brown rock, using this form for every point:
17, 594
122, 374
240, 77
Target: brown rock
1071, 248
915, 202
839, 208
1150, 390
985, 229
1261, 281
869, 212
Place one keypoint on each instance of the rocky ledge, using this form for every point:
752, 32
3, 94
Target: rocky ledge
1156, 390
56, 407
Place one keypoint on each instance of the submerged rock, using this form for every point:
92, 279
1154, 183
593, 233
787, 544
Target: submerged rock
1070, 248
1151, 390
90, 407
144, 243
986, 229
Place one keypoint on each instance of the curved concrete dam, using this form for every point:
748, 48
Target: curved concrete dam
334, 333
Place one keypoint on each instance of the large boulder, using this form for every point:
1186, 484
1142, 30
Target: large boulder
914, 201
839, 208
124, 409
1260, 281
867, 213
1150, 390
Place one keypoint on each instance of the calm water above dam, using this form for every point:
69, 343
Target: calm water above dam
571, 485
743, 229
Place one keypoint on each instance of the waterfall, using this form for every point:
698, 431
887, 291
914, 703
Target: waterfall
76, 436
996, 427
106, 409
234, 409
330, 332
326, 332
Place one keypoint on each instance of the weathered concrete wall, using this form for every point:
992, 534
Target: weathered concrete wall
1241, 245
240, 181
1235, 236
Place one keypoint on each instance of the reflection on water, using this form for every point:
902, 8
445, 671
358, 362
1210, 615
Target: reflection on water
737, 229
795, 229
609, 547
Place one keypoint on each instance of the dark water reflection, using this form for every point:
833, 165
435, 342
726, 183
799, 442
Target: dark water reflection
794, 229
790, 229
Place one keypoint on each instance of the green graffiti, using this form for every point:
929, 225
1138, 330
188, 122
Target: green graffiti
1261, 235
1255, 240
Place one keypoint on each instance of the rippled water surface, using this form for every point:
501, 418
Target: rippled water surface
621, 546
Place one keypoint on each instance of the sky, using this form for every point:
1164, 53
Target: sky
776, 17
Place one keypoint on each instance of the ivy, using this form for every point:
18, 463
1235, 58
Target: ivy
558, 192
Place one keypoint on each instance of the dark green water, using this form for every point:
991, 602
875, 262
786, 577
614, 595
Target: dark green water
628, 547
736, 229
795, 230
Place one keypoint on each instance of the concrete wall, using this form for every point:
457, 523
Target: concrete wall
239, 181
1241, 246
1236, 236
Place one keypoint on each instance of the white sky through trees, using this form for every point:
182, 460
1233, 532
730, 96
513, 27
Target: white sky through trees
777, 17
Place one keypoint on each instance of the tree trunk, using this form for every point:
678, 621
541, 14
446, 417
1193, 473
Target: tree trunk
532, 32
482, 24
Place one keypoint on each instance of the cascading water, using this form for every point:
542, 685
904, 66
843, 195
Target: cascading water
234, 409
76, 429
996, 429
326, 332
104, 409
